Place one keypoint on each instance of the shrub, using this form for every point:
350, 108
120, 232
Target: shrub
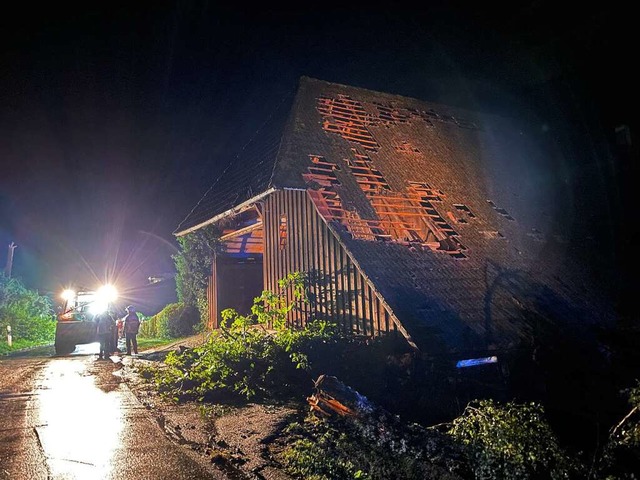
246, 358
30, 314
243, 363
307, 456
511, 442
173, 321
193, 266
378, 447
621, 455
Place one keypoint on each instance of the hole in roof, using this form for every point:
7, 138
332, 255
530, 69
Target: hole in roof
463, 208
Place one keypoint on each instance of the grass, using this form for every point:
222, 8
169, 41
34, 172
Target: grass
19, 344
145, 343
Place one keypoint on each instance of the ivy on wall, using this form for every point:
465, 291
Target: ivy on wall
193, 266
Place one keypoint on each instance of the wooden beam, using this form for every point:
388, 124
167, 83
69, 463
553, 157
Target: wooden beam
246, 205
241, 231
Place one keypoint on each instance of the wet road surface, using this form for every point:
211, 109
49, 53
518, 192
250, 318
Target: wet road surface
73, 418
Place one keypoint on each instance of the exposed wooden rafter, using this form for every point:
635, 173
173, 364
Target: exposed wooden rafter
241, 231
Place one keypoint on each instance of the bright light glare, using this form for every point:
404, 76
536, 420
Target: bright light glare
104, 296
68, 295
107, 294
98, 307
68, 422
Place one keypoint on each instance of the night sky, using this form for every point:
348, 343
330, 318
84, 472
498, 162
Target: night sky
115, 118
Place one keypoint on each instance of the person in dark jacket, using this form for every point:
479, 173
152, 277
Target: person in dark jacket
116, 332
131, 327
105, 326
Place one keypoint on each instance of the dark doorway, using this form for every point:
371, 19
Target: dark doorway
239, 281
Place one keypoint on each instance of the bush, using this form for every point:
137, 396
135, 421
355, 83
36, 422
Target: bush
377, 447
30, 314
621, 456
511, 442
173, 321
251, 356
250, 363
193, 266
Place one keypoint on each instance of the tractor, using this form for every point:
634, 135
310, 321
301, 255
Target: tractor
76, 319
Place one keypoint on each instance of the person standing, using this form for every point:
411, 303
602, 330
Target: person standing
131, 327
119, 329
105, 325
116, 332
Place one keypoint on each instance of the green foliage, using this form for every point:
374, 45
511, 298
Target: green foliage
173, 321
321, 453
30, 314
242, 363
620, 458
378, 447
272, 308
511, 442
18, 344
193, 266
246, 358
152, 327
629, 429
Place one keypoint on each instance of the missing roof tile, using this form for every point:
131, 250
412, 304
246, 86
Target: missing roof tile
500, 211
491, 234
463, 208
406, 147
347, 117
462, 123
390, 115
447, 118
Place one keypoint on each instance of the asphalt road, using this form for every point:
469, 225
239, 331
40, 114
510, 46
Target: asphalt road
72, 417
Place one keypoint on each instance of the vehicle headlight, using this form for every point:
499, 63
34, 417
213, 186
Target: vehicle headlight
98, 307
68, 295
106, 294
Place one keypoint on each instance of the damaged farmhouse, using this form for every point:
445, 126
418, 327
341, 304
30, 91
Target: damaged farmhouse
409, 218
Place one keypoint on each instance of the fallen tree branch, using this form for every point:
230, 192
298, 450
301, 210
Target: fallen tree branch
334, 397
614, 432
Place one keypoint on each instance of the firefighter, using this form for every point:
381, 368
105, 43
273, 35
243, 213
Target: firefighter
105, 326
131, 327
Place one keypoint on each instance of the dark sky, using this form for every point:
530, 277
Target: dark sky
115, 118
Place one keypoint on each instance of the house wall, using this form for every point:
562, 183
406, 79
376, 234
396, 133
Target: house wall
296, 238
212, 297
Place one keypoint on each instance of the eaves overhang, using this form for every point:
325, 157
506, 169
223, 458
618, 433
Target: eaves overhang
228, 213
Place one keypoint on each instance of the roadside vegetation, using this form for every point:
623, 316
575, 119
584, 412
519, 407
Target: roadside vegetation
176, 320
29, 314
193, 265
252, 356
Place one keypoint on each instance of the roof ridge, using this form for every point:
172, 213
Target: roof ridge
399, 96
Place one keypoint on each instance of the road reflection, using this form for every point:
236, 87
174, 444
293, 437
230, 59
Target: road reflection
79, 424
87, 349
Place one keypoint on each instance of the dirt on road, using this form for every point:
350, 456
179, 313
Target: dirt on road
240, 440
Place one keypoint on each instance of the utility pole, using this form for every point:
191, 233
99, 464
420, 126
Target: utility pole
9, 266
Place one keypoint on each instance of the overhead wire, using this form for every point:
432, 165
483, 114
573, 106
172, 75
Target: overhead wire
235, 158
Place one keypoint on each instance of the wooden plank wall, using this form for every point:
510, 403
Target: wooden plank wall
337, 289
212, 298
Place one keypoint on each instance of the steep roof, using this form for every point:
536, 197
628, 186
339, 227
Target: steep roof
245, 176
452, 214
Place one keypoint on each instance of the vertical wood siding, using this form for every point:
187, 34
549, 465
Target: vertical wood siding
212, 298
337, 289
